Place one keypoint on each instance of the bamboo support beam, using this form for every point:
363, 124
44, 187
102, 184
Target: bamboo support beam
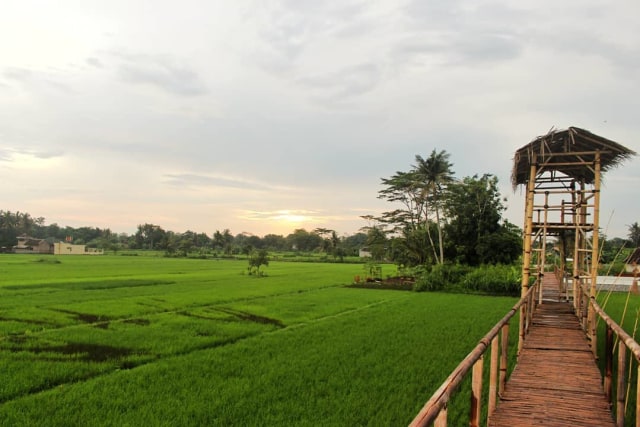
595, 255
526, 257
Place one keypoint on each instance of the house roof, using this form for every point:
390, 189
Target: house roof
25, 241
558, 148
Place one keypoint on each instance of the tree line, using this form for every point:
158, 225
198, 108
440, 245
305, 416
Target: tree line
155, 237
436, 218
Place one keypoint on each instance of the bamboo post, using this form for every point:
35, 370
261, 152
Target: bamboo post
542, 259
638, 398
622, 368
608, 364
577, 294
476, 393
441, 419
594, 256
526, 256
504, 356
493, 376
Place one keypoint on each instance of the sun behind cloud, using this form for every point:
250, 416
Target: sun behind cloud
292, 218
284, 218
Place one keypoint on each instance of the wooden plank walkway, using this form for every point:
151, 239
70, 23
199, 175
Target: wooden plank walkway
556, 381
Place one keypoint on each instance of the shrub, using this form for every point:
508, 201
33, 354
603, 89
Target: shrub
493, 279
441, 277
486, 279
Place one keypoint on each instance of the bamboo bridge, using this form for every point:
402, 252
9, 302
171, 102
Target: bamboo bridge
556, 380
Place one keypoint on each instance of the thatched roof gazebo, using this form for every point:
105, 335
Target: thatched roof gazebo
562, 173
559, 149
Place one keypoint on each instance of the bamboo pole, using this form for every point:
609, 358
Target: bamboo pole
504, 358
622, 364
638, 397
608, 363
542, 257
595, 257
441, 420
526, 256
577, 296
493, 376
476, 393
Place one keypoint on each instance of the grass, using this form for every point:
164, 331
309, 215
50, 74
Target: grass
118, 340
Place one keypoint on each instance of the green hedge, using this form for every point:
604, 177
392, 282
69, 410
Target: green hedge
486, 279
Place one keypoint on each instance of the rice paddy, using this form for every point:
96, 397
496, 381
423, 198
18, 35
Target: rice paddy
117, 340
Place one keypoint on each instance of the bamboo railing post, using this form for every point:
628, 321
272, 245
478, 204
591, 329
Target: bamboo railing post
620, 391
493, 376
638, 398
441, 419
504, 358
476, 393
608, 364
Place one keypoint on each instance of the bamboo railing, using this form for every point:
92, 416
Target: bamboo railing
434, 412
626, 344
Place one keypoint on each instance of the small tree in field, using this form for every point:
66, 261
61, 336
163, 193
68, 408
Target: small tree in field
258, 258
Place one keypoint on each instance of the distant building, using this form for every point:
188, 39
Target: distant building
364, 253
31, 245
64, 248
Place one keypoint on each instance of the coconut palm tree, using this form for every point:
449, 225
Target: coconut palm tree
433, 175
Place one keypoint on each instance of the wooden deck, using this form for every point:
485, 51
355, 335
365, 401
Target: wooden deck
556, 381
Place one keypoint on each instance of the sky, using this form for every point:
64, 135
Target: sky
267, 116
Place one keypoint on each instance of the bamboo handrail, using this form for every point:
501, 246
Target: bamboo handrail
625, 342
436, 406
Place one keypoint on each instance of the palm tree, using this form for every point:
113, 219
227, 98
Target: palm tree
433, 174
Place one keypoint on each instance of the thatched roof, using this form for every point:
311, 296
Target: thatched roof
571, 145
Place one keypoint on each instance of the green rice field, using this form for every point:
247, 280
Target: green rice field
152, 341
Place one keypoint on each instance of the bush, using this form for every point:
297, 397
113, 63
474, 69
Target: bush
441, 277
494, 279
486, 279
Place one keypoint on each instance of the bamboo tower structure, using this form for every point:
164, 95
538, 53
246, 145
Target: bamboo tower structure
562, 173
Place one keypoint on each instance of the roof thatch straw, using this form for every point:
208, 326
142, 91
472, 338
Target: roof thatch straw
566, 146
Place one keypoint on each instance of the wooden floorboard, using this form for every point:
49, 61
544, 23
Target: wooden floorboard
556, 381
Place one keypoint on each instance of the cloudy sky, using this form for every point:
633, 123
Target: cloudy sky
266, 116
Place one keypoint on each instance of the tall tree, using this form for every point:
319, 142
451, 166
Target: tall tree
410, 218
475, 233
434, 174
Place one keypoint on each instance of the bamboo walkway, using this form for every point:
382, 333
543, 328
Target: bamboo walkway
556, 381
